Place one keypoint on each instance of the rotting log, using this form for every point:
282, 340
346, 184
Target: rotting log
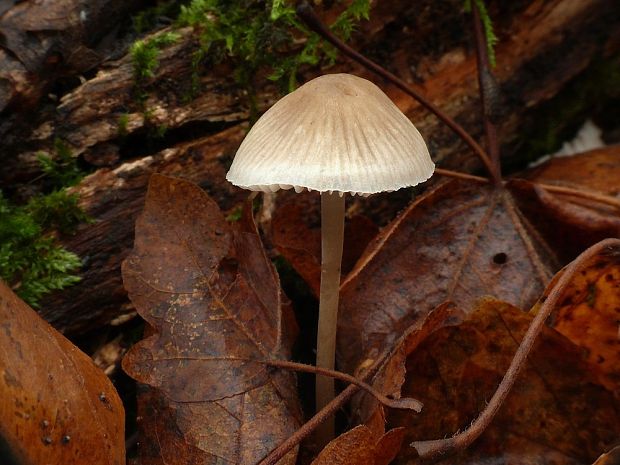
42, 41
114, 198
544, 44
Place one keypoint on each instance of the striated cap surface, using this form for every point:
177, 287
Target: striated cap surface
337, 132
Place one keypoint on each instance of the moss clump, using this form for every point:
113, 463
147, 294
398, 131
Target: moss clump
258, 35
123, 123
487, 25
61, 168
145, 55
31, 260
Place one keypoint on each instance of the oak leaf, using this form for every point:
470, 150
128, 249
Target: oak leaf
214, 301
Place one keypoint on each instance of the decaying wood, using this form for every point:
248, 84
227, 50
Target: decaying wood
114, 197
43, 40
542, 46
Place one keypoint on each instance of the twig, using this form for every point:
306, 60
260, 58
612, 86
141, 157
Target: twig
402, 403
488, 94
307, 14
427, 449
459, 175
308, 427
602, 198
564, 190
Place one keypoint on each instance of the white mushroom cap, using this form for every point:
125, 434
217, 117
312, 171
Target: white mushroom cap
338, 132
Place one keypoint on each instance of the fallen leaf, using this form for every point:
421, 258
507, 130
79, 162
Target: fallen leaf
572, 223
610, 458
597, 170
390, 368
213, 299
56, 406
589, 315
458, 242
556, 412
360, 447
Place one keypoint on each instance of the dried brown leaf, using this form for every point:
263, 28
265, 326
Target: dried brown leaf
589, 315
360, 447
56, 406
391, 370
458, 242
572, 223
213, 299
556, 412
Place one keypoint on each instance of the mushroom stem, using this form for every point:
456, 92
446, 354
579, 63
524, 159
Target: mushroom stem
332, 236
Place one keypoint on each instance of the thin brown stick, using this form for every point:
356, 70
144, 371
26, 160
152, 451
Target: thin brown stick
427, 449
459, 175
308, 427
307, 14
602, 198
402, 403
582, 194
488, 92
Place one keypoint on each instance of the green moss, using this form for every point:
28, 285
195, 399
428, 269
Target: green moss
60, 167
58, 211
235, 214
487, 25
258, 35
145, 55
123, 123
31, 261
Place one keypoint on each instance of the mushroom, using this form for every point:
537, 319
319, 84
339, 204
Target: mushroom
337, 133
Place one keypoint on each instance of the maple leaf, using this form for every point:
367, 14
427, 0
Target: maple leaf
214, 301
458, 242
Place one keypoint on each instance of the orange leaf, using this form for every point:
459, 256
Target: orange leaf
56, 406
556, 412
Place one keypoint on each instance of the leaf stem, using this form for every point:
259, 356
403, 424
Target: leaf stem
602, 198
307, 428
402, 403
307, 14
428, 449
563, 190
488, 94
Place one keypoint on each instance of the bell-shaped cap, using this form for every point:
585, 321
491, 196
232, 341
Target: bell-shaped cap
338, 132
